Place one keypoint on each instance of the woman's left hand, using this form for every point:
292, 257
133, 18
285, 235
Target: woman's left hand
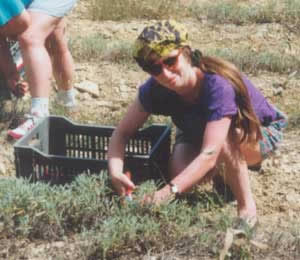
159, 196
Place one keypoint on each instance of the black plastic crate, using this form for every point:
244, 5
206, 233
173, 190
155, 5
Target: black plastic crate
56, 150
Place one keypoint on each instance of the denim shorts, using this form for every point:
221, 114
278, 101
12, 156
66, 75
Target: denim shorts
272, 136
56, 8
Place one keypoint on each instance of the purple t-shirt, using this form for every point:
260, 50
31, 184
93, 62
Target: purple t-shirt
217, 100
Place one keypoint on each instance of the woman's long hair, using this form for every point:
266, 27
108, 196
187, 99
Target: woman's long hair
246, 119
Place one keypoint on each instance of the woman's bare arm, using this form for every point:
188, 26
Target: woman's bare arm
128, 126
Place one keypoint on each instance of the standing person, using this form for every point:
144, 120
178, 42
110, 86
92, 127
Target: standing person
42, 40
221, 117
14, 20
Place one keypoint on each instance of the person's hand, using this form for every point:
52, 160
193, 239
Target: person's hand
159, 197
122, 183
18, 88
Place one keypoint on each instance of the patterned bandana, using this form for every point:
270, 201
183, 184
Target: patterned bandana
161, 38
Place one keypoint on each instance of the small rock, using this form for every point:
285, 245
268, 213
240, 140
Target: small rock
104, 103
124, 88
2, 168
125, 95
59, 244
293, 198
84, 96
80, 68
89, 87
278, 91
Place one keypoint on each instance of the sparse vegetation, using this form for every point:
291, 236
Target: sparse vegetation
253, 62
95, 47
133, 9
241, 13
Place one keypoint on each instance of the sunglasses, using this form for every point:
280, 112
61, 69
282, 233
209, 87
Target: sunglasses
156, 68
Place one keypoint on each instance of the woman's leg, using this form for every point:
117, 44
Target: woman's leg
183, 154
236, 161
38, 69
63, 65
36, 58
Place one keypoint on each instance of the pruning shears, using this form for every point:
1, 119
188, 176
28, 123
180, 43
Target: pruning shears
128, 192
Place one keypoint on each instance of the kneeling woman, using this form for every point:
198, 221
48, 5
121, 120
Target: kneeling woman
220, 116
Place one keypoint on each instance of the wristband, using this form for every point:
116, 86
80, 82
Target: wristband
174, 188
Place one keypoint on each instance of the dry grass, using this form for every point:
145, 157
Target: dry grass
132, 9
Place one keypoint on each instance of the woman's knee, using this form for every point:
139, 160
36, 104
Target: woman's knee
233, 152
57, 44
17, 25
23, 21
30, 39
41, 27
230, 154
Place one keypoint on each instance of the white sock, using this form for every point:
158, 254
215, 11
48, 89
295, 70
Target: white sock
40, 106
67, 97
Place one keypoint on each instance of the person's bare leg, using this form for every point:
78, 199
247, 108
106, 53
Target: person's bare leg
236, 174
63, 65
38, 69
16, 25
183, 154
36, 58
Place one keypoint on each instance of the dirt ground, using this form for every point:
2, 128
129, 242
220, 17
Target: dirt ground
276, 186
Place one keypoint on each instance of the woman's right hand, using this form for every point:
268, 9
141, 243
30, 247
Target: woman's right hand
129, 125
122, 183
18, 88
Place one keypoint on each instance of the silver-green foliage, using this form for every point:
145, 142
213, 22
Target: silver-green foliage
88, 207
251, 61
41, 211
234, 12
95, 47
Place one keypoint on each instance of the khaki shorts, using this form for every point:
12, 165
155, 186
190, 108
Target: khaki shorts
56, 8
